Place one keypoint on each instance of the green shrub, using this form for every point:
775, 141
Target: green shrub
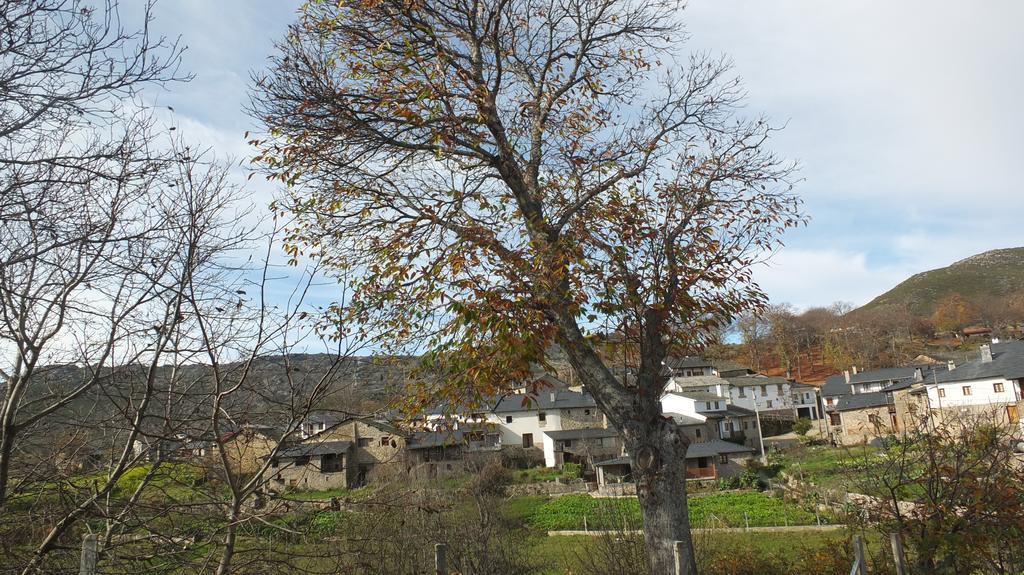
571, 470
802, 426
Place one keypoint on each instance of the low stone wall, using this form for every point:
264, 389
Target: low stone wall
548, 488
617, 489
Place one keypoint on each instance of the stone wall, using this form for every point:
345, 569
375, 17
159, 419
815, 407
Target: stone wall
582, 418
245, 451
310, 476
375, 445
549, 488
863, 425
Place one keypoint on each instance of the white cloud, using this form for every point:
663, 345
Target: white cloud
807, 278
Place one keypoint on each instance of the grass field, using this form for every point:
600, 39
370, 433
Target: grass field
831, 467
736, 509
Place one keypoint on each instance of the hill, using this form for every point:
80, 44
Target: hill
980, 277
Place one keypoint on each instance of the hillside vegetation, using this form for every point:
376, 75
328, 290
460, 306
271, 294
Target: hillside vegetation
992, 274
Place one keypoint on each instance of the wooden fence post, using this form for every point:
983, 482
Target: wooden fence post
677, 549
858, 550
897, 553
440, 559
87, 566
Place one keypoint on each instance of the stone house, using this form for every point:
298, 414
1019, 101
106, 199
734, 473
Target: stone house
379, 447
704, 461
318, 465
246, 449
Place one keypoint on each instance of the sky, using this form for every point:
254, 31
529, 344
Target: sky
905, 117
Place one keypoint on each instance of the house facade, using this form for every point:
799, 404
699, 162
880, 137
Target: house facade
989, 386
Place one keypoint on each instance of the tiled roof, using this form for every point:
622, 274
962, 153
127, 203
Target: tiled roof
588, 433
684, 419
321, 448
687, 362
1007, 362
856, 401
708, 448
699, 395
560, 399
754, 380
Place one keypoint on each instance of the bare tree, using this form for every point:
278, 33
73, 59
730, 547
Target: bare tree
76, 169
502, 177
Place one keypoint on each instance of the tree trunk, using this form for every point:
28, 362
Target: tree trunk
7, 434
658, 454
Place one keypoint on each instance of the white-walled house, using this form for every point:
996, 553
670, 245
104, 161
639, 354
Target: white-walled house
523, 419
805, 400
773, 395
721, 418
990, 384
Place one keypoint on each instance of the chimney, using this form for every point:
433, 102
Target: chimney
855, 370
918, 374
950, 365
986, 354
846, 374
995, 340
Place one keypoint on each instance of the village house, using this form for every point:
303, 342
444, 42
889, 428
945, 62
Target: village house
707, 460
246, 448
442, 453
583, 446
854, 382
989, 386
319, 465
711, 416
772, 396
805, 400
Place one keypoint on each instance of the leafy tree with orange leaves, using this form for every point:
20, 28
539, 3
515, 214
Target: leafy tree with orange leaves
505, 176
953, 312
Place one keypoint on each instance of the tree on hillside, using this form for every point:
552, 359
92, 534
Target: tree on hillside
507, 176
755, 331
954, 312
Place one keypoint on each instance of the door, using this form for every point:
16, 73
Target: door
1011, 413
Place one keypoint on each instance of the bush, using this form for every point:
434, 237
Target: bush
802, 426
492, 479
571, 470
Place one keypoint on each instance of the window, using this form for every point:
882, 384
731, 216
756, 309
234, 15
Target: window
967, 390
275, 463
527, 440
743, 392
384, 441
300, 461
723, 458
716, 405
567, 444
696, 433
331, 463
942, 392
363, 442
746, 425
778, 388
997, 387
707, 405
542, 417
586, 412
508, 419
769, 403
829, 401
764, 390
